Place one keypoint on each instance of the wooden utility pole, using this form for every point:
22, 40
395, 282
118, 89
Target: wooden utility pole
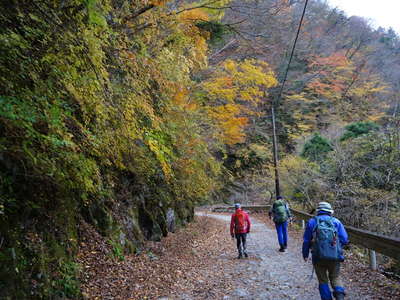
275, 150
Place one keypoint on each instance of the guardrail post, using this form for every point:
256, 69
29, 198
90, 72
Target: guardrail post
372, 259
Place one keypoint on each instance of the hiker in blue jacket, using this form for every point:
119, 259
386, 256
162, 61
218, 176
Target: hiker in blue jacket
280, 213
326, 236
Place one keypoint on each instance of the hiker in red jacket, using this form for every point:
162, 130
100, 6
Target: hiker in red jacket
240, 227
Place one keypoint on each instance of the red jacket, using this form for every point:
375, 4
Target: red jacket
246, 229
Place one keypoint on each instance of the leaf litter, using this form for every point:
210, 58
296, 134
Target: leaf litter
199, 262
195, 262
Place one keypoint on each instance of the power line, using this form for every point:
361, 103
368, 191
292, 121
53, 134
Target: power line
274, 140
292, 53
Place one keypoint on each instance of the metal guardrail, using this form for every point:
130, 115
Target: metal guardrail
253, 208
385, 245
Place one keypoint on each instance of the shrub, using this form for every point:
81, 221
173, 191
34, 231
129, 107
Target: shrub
358, 128
316, 148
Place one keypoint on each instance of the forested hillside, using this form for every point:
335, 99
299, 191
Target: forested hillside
343, 84
125, 115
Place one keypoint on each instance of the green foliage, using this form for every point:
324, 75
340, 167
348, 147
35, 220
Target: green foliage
97, 122
95, 15
375, 157
249, 156
358, 128
216, 29
67, 286
302, 181
117, 250
361, 179
316, 148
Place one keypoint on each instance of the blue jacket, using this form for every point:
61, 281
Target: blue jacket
308, 233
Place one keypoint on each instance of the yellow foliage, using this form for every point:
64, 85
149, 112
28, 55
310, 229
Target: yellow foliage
301, 98
235, 81
233, 130
234, 91
376, 117
160, 153
193, 15
182, 100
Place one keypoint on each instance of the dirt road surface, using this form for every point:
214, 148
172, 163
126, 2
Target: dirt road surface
270, 274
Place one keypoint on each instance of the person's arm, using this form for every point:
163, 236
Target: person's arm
248, 223
307, 239
342, 233
232, 224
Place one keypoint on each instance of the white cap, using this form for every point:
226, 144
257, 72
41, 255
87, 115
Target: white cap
324, 206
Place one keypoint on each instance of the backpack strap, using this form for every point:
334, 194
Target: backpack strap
314, 231
318, 221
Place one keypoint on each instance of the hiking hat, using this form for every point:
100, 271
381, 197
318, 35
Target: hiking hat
237, 205
325, 206
279, 198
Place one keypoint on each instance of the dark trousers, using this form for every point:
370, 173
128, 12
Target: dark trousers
328, 271
281, 230
241, 242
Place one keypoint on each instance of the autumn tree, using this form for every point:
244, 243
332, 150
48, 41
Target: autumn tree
99, 125
233, 93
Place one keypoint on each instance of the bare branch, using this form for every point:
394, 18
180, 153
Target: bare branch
139, 12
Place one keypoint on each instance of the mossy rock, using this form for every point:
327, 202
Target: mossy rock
98, 215
149, 223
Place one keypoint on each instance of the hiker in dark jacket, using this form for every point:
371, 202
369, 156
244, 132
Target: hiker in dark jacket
325, 236
280, 213
240, 227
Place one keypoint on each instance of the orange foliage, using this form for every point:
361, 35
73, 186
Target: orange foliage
339, 91
182, 100
331, 75
159, 2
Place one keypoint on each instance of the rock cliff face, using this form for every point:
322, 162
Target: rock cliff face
39, 244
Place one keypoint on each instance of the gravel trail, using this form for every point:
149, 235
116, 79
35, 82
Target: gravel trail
270, 274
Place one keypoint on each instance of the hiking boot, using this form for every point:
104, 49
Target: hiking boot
246, 255
282, 249
338, 295
240, 256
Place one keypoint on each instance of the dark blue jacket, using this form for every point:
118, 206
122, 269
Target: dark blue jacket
308, 233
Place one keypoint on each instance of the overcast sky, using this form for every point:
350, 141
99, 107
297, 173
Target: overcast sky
384, 13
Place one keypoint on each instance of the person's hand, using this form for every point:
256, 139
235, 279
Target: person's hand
232, 235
